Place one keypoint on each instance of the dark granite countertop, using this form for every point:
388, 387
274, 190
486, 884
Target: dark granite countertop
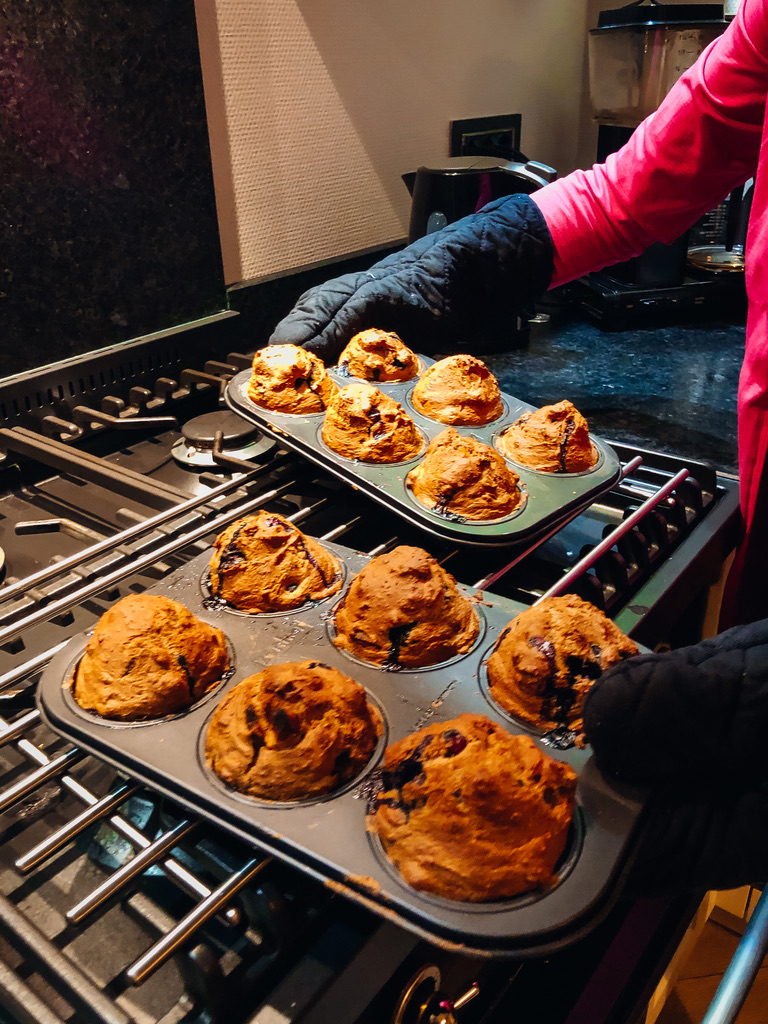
671, 389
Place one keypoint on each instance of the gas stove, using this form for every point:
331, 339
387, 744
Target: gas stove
116, 469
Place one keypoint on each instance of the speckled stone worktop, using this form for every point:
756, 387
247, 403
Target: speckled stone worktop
672, 389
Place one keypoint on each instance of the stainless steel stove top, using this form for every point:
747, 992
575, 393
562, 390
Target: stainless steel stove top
114, 905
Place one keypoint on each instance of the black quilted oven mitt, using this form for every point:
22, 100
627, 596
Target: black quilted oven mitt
691, 725
451, 286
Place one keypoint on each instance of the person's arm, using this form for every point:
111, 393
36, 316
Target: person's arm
701, 143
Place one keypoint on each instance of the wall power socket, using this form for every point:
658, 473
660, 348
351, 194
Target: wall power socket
497, 136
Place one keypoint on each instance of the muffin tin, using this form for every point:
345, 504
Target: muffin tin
549, 498
327, 837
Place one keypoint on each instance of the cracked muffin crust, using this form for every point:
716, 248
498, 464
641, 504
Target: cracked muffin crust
286, 378
404, 610
546, 659
553, 439
460, 390
293, 731
147, 657
468, 811
363, 423
379, 356
263, 563
461, 476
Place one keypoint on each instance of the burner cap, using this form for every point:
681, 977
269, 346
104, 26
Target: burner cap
238, 433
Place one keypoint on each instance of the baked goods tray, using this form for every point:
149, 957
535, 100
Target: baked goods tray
327, 837
550, 499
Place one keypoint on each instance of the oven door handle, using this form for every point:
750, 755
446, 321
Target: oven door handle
740, 972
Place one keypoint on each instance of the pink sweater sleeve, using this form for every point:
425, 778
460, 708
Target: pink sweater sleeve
702, 142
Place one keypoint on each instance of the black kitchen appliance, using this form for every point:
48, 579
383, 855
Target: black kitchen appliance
445, 190
637, 53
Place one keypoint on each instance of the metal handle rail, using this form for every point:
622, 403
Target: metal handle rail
741, 971
487, 581
608, 542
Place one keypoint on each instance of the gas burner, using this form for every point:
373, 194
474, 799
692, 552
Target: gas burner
239, 439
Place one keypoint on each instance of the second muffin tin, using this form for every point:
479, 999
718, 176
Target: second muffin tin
549, 498
327, 837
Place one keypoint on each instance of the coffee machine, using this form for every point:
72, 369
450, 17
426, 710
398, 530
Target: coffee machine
636, 54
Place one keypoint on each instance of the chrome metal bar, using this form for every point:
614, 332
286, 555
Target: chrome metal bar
338, 531
11, 732
487, 581
181, 933
608, 542
176, 871
55, 767
741, 971
21, 1002
21, 671
73, 827
109, 579
102, 546
148, 856
89, 1001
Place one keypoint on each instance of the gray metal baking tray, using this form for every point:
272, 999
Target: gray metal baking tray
327, 838
549, 498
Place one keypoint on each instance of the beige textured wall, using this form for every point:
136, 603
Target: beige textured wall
316, 107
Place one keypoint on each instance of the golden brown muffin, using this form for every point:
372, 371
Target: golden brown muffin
293, 731
289, 379
148, 657
470, 812
548, 657
460, 390
363, 423
404, 610
263, 563
379, 356
554, 439
461, 476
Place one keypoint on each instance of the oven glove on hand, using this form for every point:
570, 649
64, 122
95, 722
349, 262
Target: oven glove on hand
457, 285
691, 727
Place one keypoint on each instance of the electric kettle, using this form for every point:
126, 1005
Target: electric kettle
446, 191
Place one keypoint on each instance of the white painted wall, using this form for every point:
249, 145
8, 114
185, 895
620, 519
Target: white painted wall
316, 107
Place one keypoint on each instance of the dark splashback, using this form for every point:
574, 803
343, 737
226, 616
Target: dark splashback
108, 223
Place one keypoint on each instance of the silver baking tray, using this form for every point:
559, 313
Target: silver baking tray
327, 838
549, 499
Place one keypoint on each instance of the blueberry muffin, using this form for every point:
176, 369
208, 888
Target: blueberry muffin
286, 378
147, 657
364, 423
403, 610
294, 731
467, 811
379, 356
461, 476
548, 657
553, 439
263, 563
459, 390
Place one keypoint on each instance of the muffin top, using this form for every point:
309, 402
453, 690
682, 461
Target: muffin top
461, 476
467, 811
293, 731
289, 379
263, 563
379, 356
148, 656
460, 390
404, 610
546, 659
553, 439
364, 423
